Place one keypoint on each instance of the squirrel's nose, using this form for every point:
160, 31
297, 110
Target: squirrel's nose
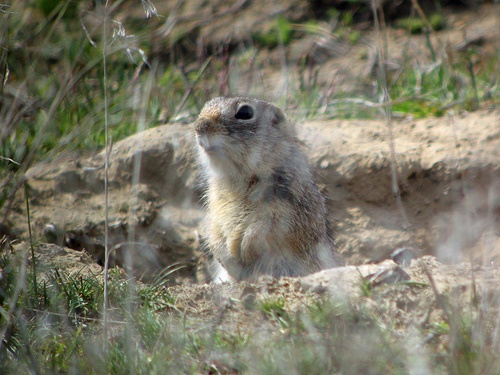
202, 125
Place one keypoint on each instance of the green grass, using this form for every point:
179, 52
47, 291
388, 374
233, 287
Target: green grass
274, 309
56, 327
432, 90
417, 25
279, 35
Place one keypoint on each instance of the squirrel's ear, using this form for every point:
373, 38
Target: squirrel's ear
278, 118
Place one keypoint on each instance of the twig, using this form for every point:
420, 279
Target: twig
431, 31
10, 160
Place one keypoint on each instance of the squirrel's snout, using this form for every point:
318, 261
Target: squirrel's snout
202, 125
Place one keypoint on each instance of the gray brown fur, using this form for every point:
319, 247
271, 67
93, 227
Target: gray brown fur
266, 213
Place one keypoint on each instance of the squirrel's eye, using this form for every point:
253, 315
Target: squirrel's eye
244, 113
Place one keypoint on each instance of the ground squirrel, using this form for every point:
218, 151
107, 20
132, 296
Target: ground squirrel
266, 213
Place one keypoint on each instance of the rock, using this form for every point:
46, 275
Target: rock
403, 255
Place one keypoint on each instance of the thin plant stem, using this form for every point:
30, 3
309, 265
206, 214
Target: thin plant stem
8, 315
32, 247
106, 169
431, 32
470, 67
382, 53
132, 246
427, 33
191, 86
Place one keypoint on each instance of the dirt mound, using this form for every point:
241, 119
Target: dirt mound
408, 299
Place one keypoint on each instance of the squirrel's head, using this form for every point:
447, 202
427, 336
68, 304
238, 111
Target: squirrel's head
239, 136
234, 127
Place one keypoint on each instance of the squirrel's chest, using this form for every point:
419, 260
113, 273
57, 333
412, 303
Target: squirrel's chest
228, 206
222, 200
